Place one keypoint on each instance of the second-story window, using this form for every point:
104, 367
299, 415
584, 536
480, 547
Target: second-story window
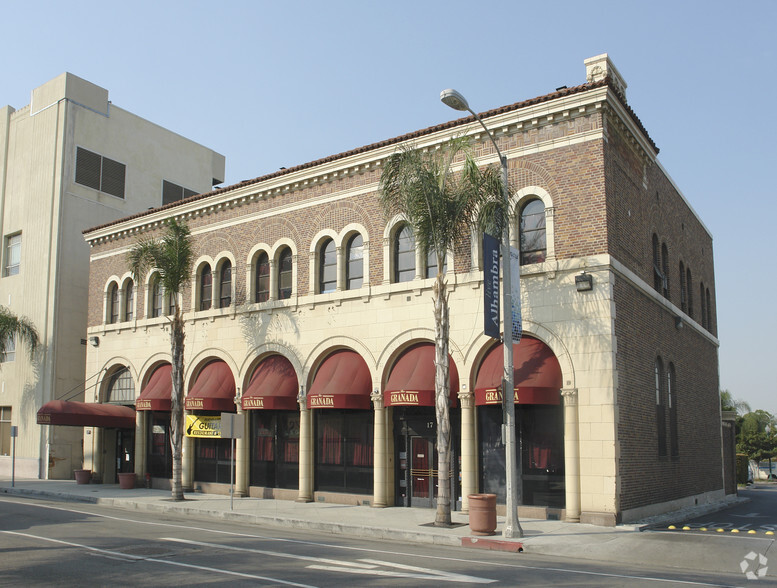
113, 304
689, 289
404, 255
532, 232
157, 298
354, 271
13, 254
206, 288
660, 408
327, 267
664, 270
683, 289
129, 301
225, 288
431, 264
262, 278
285, 274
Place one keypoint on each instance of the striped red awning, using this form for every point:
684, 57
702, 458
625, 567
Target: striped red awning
86, 414
213, 390
157, 393
536, 371
342, 381
411, 382
273, 386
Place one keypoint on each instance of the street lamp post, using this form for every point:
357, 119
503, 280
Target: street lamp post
512, 526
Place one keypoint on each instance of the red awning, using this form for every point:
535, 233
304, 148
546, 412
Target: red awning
273, 386
535, 369
411, 382
214, 389
342, 381
86, 414
157, 393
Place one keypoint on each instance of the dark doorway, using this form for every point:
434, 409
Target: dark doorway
125, 452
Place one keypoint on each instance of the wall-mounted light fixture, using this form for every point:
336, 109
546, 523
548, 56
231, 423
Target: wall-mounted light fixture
678, 322
94, 340
584, 282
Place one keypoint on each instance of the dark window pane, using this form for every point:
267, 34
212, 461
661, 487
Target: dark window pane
262, 278
88, 168
225, 289
156, 299
327, 267
114, 296
129, 301
404, 255
355, 270
113, 177
532, 232
285, 274
206, 288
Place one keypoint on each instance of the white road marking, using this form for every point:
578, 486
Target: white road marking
364, 566
128, 557
380, 551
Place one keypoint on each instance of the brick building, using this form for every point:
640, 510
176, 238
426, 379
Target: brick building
311, 313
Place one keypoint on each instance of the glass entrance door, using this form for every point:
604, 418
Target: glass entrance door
423, 471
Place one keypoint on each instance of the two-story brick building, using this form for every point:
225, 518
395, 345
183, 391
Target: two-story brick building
311, 313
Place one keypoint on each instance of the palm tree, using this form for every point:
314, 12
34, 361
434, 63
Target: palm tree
441, 206
13, 328
172, 257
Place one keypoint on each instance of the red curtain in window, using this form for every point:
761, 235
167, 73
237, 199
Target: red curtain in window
331, 445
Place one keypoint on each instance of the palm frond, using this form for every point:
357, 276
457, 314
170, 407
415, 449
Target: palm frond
19, 328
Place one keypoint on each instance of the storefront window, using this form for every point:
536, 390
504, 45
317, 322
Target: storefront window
160, 463
275, 449
344, 451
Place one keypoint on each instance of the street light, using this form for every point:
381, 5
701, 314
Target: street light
512, 526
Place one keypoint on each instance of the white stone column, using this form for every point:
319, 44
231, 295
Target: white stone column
241, 452
305, 450
273, 294
469, 473
571, 455
141, 435
187, 465
380, 448
342, 262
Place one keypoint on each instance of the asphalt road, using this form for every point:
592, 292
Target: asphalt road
67, 544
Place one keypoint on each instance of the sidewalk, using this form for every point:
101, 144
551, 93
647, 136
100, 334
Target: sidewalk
624, 543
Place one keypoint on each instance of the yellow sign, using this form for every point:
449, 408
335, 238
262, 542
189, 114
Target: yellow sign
203, 426
404, 398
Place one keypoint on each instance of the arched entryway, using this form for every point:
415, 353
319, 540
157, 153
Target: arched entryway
539, 418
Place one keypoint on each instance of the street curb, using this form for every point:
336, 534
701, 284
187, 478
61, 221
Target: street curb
492, 544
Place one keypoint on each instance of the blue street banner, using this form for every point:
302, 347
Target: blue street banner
515, 290
491, 306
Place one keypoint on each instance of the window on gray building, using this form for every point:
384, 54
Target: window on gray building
100, 173
13, 254
173, 192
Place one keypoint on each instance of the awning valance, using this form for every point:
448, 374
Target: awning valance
411, 382
273, 386
86, 414
342, 381
536, 371
213, 390
156, 395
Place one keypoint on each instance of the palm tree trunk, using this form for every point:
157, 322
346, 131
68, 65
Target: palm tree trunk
176, 416
442, 402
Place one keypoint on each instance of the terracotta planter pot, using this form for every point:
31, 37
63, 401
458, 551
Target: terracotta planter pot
82, 476
127, 481
482, 514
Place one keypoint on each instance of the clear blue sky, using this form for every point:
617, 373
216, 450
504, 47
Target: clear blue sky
275, 84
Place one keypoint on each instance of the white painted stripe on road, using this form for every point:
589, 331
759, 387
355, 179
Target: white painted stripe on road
125, 557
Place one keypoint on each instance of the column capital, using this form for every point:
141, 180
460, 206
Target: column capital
377, 399
466, 399
570, 396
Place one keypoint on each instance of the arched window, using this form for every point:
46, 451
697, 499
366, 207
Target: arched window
660, 408
327, 267
404, 255
157, 297
709, 311
664, 270
532, 232
171, 303
225, 285
683, 289
121, 388
657, 278
262, 270
113, 302
689, 288
354, 271
129, 301
671, 392
285, 274
703, 304
206, 288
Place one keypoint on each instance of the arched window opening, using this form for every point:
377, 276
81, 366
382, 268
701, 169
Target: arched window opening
660, 408
285, 268
121, 388
262, 278
683, 289
657, 277
664, 270
129, 301
404, 255
709, 311
532, 232
703, 304
225, 288
327, 267
431, 264
113, 311
689, 287
354, 271
671, 390
157, 297
206, 288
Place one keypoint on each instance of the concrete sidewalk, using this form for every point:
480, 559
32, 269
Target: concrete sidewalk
624, 543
